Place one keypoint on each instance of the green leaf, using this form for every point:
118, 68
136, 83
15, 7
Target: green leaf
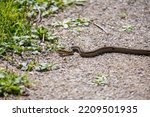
11, 83
101, 79
43, 67
2, 75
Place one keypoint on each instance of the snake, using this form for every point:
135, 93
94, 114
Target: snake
102, 51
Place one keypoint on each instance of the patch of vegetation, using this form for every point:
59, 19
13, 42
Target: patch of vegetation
42, 66
12, 23
101, 79
16, 34
11, 83
74, 22
19, 34
128, 28
26, 66
15, 30
77, 2
38, 66
46, 7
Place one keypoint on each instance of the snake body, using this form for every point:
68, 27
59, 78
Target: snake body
103, 50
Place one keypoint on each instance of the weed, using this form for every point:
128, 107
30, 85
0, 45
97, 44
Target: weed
128, 28
26, 66
42, 66
77, 2
18, 35
74, 22
12, 23
101, 79
11, 83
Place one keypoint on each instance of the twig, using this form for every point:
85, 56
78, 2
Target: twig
98, 26
42, 43
39, 17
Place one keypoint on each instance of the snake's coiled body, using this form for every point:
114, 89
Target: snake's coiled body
103, 50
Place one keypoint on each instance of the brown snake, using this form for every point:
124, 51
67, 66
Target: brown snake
101, 51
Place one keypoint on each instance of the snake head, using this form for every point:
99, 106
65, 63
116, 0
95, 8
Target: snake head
63, 53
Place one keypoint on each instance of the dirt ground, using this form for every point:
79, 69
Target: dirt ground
128, 76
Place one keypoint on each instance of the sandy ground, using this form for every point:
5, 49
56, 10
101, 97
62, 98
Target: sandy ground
128, 76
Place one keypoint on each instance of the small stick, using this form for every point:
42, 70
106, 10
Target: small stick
98, 26
39, 17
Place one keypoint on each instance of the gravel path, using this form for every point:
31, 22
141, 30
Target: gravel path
127, 76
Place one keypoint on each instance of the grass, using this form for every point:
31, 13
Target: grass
101, 79
12, 83
19, 34
128, 28
12, 22
74, 22
16, 33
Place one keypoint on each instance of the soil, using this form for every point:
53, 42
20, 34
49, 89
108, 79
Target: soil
128, 76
